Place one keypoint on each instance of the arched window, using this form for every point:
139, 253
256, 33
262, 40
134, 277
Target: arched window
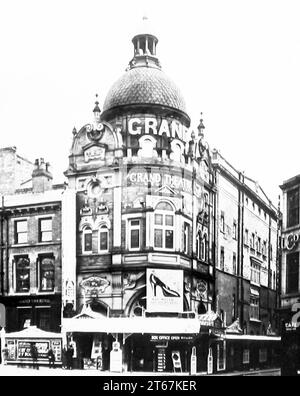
87, 240
177, 153
22, 274
164, 226
46, 273
103, 239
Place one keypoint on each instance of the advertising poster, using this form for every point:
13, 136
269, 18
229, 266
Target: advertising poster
24, 349
164, 290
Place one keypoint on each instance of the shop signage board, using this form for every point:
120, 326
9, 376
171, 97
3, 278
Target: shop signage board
175, 338
164, 290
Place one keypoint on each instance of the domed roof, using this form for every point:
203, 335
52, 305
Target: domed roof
144, 86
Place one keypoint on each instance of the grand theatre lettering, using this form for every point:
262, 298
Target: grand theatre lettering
148, 125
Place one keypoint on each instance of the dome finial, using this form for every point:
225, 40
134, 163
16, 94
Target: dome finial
97, 110
201, 126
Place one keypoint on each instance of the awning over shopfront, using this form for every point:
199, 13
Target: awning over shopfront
251, 337
32, 332
139, 325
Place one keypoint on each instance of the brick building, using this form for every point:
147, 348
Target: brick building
30, 232
246, 251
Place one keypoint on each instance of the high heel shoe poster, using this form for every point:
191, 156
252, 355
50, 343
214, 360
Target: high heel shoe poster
164, 290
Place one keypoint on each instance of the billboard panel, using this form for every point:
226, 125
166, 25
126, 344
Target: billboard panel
164, 290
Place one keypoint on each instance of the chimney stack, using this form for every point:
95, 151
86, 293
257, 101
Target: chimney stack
41, 176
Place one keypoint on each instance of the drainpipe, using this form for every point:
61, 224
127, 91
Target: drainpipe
240, 258
7, 256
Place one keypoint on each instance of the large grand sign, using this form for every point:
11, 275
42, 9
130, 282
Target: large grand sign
171, 128
164, 290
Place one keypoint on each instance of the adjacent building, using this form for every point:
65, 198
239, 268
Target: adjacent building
30, 232
246, 251
290, 236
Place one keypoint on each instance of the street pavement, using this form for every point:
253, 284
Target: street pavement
12, 371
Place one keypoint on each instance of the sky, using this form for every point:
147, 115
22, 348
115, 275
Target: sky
237, 61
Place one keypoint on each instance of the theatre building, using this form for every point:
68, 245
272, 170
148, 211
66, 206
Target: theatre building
30, 233
139, 275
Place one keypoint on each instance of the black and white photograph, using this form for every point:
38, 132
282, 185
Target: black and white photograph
149, 190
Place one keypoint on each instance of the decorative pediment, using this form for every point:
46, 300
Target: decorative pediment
166, 190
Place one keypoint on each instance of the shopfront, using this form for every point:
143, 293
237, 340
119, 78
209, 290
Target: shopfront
19, 346
146, 344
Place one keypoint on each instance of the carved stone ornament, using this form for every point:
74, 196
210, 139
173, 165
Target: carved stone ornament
95, 133
94, 286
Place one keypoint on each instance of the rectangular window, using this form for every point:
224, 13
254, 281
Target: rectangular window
164, 231
158, 238
222, 222
22, 274
263, 355
258, 245
43, 319
103, 239
46, 273
246, 356
254, 307
222, 259
293, 208
234, 269
169, 239
134, 234
21, 231
87, 240
252, 241
264, 249
246, 240
292, 272
45, 230
186, 240
255, 273
234, 232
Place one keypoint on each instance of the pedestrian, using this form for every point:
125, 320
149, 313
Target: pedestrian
51, 358
70, 353
64, 358
34, 356
4, 354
